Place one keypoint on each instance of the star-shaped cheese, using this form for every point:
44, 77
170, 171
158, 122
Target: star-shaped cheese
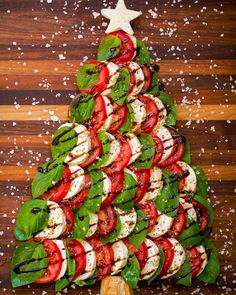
120, 18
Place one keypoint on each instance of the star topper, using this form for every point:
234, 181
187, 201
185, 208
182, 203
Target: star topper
120, 18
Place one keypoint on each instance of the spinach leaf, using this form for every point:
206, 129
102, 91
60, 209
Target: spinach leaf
158, 271
81, 108
125, 200
28, 264
212, 269
186, 156
120, 90
94, 200
202, 184
87, 76
126, 127
63, 141
108, 48
89, 282
115, 233
35, 211
191, 235
168, 200
148, 151
155, 87
171, 109
139, 233
142, 54
81, 226
131, 272
49, 173
184, 275
69, 275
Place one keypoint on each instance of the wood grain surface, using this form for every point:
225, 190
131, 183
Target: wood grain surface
42, 44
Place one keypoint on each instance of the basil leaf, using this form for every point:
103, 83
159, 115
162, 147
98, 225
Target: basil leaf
126, 127
131, 272
115, 233
191, 235
207, 205
28, 264
120, 90
49, 173
212, 269
81, 108
171, 109
91, 281
184, 275
155, 87
94, 200
202, 184
142, 54
63, 141
87, 76
139, 233
35, 211
186, 156
82, 220
106, 146
168, 200
69, 275
125, 200
108, 48
148, 151
161, 263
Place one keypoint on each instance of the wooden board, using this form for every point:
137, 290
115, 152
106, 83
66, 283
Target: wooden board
41, 47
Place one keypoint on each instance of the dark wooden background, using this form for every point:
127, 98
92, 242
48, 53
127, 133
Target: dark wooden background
42, 45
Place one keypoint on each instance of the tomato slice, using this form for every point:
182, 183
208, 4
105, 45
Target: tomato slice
119, 117
159, 150
103, 79
70, 220
168, 250
143, 177
54, 263
147, 78
152, 214
104, 257
195, 260
141, 252
117, 182
78, 252
202, 214
96, 149
179, 223
179, 173
99, 115
78, 200
132, 80
127, 49
106, 221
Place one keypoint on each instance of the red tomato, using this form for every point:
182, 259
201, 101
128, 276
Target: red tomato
99, 115
141, 252
127, 49
178, 171
104, 257
195, 260
78, 200
143, 177
103, 79
168, 250
54, 263
132, 80
78, 252
151, 115
70, 220
96, 149
147, 78
117, 182
119, 117
106, 221
202, 214
151, 211
159, 150
179, 223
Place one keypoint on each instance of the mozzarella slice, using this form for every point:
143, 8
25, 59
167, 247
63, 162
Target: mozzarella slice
77, 174
114, 150
138, 111
109, 112
93, 224
128, 222
113, 70
202, 251
155, 185
106, 187
56, 222
120, 257
152, 261
190, 178
162, 112
189, 208
90, 262
162, 225
164, 134
62, 249
178, 260
135, 147
139, 78
81, 151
